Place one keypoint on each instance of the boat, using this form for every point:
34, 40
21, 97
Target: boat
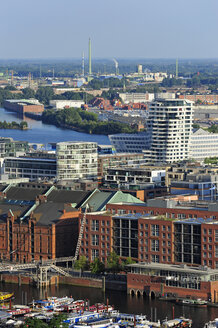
130, 320
197, 303
5, 296
177, 323
212, 324
19, 311
97, 323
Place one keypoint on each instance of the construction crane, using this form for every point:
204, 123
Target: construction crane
80, 236
116, 66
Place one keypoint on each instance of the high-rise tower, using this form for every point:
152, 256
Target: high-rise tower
170, 125
90, 58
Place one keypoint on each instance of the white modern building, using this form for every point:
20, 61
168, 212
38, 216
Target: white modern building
136, 97
130, 143
203, 144
76, 160
61, 104
170, 126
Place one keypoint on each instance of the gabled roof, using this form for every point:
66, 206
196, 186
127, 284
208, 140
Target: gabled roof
200, 131
50, 212
28, 194
99, 199
68, 196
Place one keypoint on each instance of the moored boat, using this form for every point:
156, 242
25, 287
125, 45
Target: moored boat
5, 296
177, 323
190, 302
212, 324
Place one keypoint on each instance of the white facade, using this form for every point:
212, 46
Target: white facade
76, 160
61, 104
130, 143
136, 97
203, 144
170, 125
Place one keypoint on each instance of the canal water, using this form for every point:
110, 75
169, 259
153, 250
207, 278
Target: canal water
39, 132
124, 303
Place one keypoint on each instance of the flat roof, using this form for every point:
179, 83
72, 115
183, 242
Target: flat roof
174, 267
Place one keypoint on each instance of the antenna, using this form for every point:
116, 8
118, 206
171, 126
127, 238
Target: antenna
83, 65
12, 77
177, 68
29, 79
90, 58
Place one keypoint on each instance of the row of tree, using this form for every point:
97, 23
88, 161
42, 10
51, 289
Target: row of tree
74, 118
14, 125
114, 264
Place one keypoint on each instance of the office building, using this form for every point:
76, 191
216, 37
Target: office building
76, 160
203, 144
130, 143
30, 167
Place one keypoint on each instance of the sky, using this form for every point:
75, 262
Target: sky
117, 28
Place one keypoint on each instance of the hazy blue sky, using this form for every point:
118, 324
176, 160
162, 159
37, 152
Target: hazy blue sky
118, 28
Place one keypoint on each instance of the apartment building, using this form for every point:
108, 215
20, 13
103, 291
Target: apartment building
76, 160
125, 177
170, 126
10, 147
116, 160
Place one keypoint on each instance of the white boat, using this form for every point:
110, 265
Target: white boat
178, 322
212, 324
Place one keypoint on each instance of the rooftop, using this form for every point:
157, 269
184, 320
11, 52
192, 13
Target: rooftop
173, 267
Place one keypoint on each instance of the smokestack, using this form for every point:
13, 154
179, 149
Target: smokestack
90, 58
83, 65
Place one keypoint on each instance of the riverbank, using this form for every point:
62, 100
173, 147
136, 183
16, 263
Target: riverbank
41, 133
98, 282
13, 125
82, 121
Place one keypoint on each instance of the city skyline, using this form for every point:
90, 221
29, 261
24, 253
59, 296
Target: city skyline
122, 29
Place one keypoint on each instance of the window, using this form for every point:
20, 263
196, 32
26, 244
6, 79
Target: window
155, 258
95, 240
216, 235
155, 229
216, 250
155, 245
163, 235
95, 253
95, 225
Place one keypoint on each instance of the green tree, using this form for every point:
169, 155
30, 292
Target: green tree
97, 266
82, 264
113, 262
28, 93
57, 321
23, 125
34, 323
45, 94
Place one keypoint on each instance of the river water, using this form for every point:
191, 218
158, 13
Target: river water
121, 301
44, 133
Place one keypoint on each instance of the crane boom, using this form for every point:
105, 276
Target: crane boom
80, 235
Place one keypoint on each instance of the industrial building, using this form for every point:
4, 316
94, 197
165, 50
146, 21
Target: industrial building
61, 104
23, 106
